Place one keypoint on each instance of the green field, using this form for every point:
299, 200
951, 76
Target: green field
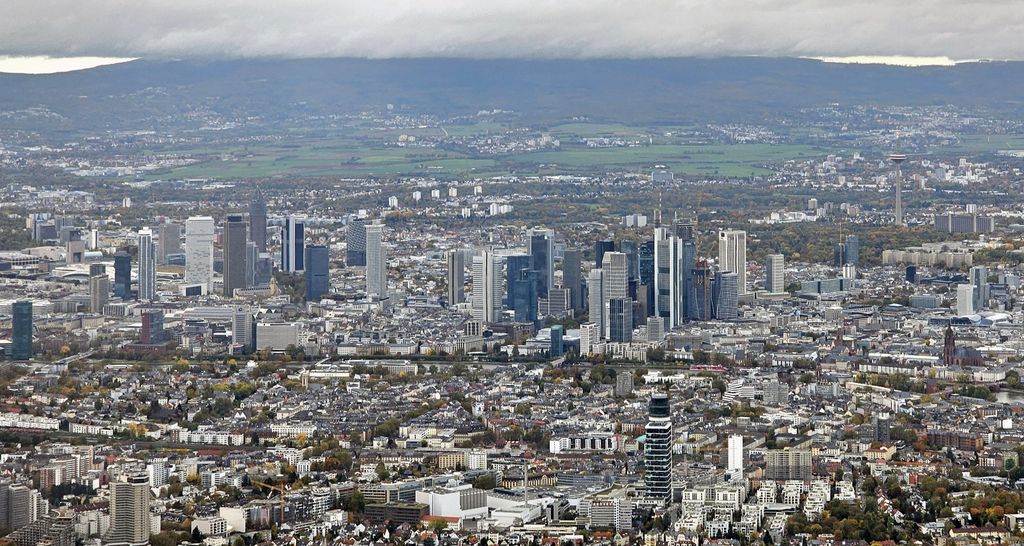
987, 143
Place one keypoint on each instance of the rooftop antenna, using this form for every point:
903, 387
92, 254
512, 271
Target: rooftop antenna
897, 158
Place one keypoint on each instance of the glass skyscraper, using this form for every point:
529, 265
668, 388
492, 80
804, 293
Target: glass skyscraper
21, 333
318, 279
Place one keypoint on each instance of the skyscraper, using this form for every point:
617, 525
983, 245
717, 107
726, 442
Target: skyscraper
620, 319
243, 328
147, 266
376, 262
542, 251
557, 347
258, 221
293, 244
235, 241
775, 271
658, 449
965, 299
735, 459
788, 464
701, 300
199, 234
355, 239
725, 295
170, 241
129, 512
572, 277
595, 297
456, 260
318, 280
732, 255
600, 247
21, 330
523, 288
645, 271
852, 247
123, 275
152, 332
486, 297
979, 280
615, 271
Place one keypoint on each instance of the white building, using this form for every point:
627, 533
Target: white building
199, 234
732, 255
376, 262
486, 298
147, 265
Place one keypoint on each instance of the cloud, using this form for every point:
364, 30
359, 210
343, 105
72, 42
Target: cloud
958, 29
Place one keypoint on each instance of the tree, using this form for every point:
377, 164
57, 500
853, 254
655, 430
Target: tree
485, 482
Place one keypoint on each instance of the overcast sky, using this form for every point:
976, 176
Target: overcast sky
958, 29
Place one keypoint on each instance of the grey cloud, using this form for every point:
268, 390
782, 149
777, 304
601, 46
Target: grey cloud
512, 28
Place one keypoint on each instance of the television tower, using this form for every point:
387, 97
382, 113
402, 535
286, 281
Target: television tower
897, 159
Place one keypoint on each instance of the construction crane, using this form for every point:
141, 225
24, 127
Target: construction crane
280, 488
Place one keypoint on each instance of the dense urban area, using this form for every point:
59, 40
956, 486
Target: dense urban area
395, 327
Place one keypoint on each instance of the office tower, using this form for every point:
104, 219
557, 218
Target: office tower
655, 330
123, 275
965, 299
97, 269
170, 241
615, 284
674, 260
129, 512
456, 277
623, 383
732, 255
376, 262
852, 250
318, 280
632, 252
523, 288
486, 297
355, 240
735, 459
979, 280
235, 239
258, 221
243, 328
572, 277
658, 449
23, 505
293, 244
775, 273
21, 330
542, 251
147, 266
788, 464
595, 293
75, 251
252, 264
99, 292
600, 247
645, 273
725, 295
701, 300
557, 348
158, 472
838, 254
590, 337
199, 234
152, 332
620, 319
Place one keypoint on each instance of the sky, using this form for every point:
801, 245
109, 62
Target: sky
41, 35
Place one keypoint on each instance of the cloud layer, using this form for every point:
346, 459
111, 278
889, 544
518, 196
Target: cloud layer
959, 29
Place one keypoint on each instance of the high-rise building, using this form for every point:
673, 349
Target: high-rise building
252, 264
658, 449
318, 280
199, 235
614, 276
620, 319
147, 265
355, 241
557, 348
21, 330
623, 383
674, 260
702, 307
293, 244
170, 241
243, 328
775, 273
645, 271
376, 262
852, 247
632, 252
589, 337
572, 277
99, 292
595, 296
735, 458
235, 240
965, 299
542, 253
979, 280
258, 221
456, 277
725, 297
123, 275
523, 288
600, 247
732, 255
788, 464
129, 512
486, 297
152, 332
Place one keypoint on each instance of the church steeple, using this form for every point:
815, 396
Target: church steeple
949, 346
